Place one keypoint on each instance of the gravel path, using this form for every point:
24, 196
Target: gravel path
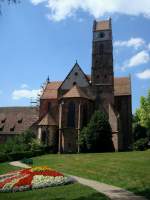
19, 164
114, 193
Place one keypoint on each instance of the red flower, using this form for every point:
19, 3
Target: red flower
24, 181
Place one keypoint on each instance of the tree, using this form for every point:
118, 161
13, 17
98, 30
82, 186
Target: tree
143, 113
97, 135
141, 124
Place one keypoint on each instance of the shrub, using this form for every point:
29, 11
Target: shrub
97, 136
139, 132
27, 161
3, 157
141, 144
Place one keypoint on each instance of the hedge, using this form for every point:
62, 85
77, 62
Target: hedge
20, 155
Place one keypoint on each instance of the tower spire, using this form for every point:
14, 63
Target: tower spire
48, 79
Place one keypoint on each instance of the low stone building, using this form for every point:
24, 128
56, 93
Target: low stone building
66, 107
15, 120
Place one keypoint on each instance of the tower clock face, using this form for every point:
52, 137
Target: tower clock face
99, 35
102, 35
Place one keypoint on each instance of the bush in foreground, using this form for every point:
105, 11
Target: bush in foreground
97, 135
141, 144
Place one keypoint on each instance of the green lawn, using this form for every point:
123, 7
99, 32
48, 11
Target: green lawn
68, 192
129, 170
5, 167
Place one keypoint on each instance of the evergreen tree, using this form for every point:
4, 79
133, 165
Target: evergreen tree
97, 135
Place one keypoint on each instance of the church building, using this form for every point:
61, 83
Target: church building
67, 106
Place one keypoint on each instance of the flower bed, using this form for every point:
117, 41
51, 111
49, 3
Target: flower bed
32, 178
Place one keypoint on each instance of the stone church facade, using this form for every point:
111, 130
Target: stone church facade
67, 106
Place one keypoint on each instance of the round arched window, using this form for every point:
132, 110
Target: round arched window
102, 35
74, 83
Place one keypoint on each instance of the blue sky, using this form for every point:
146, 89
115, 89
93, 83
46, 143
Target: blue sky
45, 37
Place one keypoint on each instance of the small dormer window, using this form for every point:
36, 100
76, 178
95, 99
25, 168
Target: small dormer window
1, 128
19, 121
3, 121
74, 83
12, 128
49, 106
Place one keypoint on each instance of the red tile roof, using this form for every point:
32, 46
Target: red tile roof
122, 86
103, 25
12, 115
51, 90
76, 92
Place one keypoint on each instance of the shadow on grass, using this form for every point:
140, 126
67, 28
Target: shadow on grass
94, 196
143, 192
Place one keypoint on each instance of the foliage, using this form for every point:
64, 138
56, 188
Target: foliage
141, 124
22, 146
139, 132
20, 143
141, 144
143, 113
97, 136
27, 161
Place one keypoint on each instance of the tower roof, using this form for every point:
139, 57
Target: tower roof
76, 92
102, 25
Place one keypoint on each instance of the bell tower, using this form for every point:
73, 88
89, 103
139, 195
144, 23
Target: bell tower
102, 76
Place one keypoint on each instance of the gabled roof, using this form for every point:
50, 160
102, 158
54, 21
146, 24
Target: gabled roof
102, 25
18, 119
75, 75
122, 86
51, 90
76, 92
47, 120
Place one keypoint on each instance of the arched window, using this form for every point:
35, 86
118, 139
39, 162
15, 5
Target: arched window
49, 106
85, 115
71, 115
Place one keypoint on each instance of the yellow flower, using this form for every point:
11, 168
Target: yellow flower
41, 168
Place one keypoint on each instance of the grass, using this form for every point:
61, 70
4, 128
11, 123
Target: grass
129, 170
5, 167
68, 192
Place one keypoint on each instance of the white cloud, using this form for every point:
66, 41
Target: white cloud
144, 75
149, 46
61, 9
24, 86
24, 93
140, 58
132, 42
